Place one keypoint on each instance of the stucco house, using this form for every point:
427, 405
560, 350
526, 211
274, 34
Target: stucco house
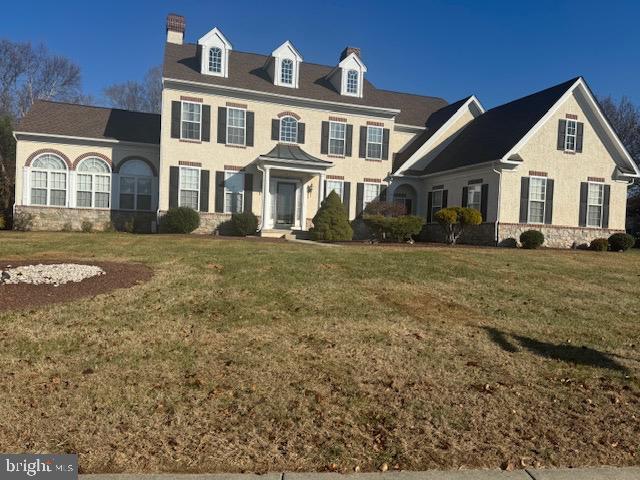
273, 134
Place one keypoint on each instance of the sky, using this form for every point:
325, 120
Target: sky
497, 50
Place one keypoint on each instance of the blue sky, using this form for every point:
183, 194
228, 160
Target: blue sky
496, 50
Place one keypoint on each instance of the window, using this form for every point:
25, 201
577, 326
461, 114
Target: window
474, 196
135, 185
337, 135
233, 192
93, 184
537, 197
352, 82
49, 181
191, 120
595, 200
236, 126
189, 187
374, 142
371, 193
570, 135
289, 130
286, 71
335, 186
436, 202
215, 60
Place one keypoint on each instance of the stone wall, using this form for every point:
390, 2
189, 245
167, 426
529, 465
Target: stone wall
212, 223
483, 234
555, 236
56, 219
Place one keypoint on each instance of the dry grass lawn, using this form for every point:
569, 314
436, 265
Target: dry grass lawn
253, 356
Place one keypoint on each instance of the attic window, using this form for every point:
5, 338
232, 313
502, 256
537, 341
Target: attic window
215, 60
286, 75
352, 82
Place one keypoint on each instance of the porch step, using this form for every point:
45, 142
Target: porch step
287, 234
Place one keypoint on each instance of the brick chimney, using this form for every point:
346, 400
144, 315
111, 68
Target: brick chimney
348, 51
175, 28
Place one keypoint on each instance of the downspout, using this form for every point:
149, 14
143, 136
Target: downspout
496, 225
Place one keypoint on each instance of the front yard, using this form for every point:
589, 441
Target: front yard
255, 356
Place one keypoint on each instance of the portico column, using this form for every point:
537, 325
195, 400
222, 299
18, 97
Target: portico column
303, 206
265, 197
321, 189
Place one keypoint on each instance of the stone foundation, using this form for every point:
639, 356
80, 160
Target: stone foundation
555, 236
483, 234
211, 223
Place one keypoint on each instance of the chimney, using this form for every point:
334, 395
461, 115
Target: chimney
348, 51
175, 28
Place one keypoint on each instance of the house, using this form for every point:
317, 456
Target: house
273, 134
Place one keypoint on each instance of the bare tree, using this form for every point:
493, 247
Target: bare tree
145, 96
625, 118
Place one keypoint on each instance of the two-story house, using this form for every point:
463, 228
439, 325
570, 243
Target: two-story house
274, 134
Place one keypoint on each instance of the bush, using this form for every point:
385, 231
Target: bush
108, 227
3, 224
621, 242
454, 220
599, 244
396, 229
531, 239
67, 227
23, 221
179, 220
386, 209
86, 226
243, 224
508, 243
331, 222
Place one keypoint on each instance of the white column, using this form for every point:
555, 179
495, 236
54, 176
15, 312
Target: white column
303, 206
321, 189
265, 198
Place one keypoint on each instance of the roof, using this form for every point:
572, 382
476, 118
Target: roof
285, 151
491, 135
73, 120
247, 71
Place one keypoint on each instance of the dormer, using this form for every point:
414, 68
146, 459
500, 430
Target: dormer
285, 68
214, 54
348, 76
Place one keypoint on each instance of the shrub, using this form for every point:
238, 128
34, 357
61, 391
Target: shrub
599, 244
179, 220
454, 220
396, 229
531, 239
508, 243
23, 221
621, 242
331, 222
109, 227
243, 224
67, 227
86, 226
3, 224
386, 209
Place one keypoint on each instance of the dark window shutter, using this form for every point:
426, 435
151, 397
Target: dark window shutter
219, 190
359, 198
324, 139
484, 201
429, 206
275, 129
204, 190
562, 127
222, 125
445, 198
605, 206
346, 196
579, 136
465, 196
385, 144
206, 123
524, 199
348, 141
548, 203
174, 179
324, 189
584, 192
301, 129
176, 112
250, 128
362, 153
383, 193
248, 192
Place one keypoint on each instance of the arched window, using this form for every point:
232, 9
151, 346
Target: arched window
288, 130
215, 60
136, 180
286, 71
352, 81
93, 183
49, 181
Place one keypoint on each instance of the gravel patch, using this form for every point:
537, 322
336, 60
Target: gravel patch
51, 274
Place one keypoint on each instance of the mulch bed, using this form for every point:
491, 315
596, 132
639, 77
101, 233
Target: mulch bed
118, 275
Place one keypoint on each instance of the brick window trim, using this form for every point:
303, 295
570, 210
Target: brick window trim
438, 187
92, 154
373, 160
571, 116
237, 105
478, 181
375, 124
57, 153
336, 156
234, 168
289, 114
184, 140
337, 119
191, 99
189, 164
372, 180
533, 173
335, 177
235, 146
595, 179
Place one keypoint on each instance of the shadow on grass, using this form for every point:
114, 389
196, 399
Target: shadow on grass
566, 353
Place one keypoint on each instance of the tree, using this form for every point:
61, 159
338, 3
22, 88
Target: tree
331, 223
7, 163
145, 96
454, 220
625, 118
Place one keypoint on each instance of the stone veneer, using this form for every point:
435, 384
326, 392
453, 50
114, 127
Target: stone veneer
56, 219
483, 234
556, 236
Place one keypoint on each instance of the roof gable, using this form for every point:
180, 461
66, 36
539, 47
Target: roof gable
215, 37
287, 50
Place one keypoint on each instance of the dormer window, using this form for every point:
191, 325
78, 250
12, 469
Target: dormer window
348, 76
284, 66
214, 56
215, 60
286, 71
352, 82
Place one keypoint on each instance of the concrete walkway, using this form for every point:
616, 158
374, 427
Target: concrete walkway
601, 473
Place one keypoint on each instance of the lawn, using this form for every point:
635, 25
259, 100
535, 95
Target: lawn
243, 355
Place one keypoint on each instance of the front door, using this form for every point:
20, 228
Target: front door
285, 204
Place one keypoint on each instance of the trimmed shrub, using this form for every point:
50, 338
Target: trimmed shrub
386, 209
599, 245
331, 222
395, 229
531, 239
621, 242
243, 224
109, 227
23, 221
86, 226
508, 243
454, 220
3, 224
180, 220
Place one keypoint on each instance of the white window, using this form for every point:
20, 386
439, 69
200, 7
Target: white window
352, 82
474, 196
436, 202
191, 120
595, 201
236, 126
136, 180
93, 184
49, 181
374, 142
233, 192
286, 71
335, 186
215, 60
537, 198
289, 130
371, 193
189, 195
570, 135
337, 136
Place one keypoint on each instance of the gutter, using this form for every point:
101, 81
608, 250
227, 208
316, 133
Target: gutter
497, 223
